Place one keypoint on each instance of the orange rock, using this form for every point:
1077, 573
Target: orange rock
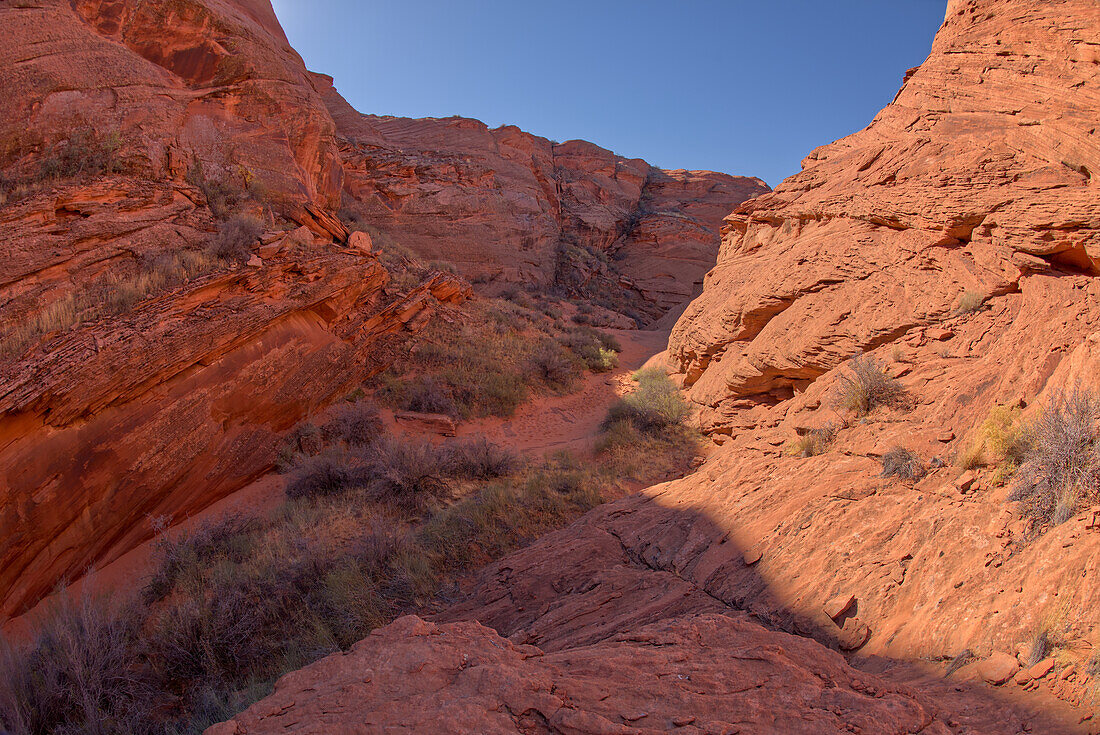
432, 423
839, 605
496, 202
998, 668
1041, 669
463, 677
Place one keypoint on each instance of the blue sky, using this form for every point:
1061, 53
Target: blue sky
742, 87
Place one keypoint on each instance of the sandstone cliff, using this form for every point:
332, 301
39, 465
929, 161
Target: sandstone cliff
139, 375
977, 178
140, 378
177, 82
506, 205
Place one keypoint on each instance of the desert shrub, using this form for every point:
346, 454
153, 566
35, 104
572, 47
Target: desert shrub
84, 153
902, 463
592, 347
654, 405
325, 474
480, 392
443, 266
1061, 464
551, 364
236, 237
814, 442
304, 439
225, 537
426, 394
868, 386
80, 673
480, 459
970, 302
408, 475
355, 424
223, 195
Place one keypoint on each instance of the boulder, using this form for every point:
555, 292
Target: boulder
998, 668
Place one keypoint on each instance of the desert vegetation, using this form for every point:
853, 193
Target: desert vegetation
903, 464
1000, 441
491, 361
109, 295
970, 302
1059, 458
868, 386
644, 434
814, 442
371, 527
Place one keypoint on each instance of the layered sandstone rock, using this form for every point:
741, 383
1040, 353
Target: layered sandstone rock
163, 408
979, 174
178, 82
702, 674
502, 204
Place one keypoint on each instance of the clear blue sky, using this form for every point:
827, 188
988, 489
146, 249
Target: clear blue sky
736, 86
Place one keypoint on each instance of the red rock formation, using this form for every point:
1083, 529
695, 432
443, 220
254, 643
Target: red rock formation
499, 203
178, 81
163, 409
978, 177
700, 674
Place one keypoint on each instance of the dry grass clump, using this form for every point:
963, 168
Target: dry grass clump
902, 463
655, 405
868, 386
1001, 440
85, 153
814, 442
1060, 471
970, 302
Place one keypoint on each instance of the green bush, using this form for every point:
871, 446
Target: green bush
656, 404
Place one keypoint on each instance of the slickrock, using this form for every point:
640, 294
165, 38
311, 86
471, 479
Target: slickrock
961, 184
501, 203
700, 674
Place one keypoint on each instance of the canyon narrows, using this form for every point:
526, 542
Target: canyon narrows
447, 344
